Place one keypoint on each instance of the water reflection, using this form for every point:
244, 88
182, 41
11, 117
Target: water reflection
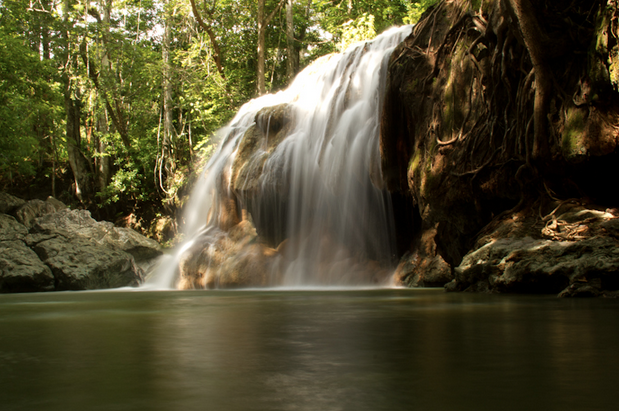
295, 350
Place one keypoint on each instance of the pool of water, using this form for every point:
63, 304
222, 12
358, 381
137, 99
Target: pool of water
307, 350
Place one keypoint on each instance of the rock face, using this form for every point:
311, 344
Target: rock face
54, 248
69, 223
9, 203
573, 251
425, 267
21, 270
482, 146
34, 209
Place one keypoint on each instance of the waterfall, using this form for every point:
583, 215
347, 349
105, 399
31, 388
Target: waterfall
302, 169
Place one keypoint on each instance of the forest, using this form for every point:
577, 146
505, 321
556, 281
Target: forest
112, 105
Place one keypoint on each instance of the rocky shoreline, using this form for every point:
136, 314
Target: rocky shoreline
45, 246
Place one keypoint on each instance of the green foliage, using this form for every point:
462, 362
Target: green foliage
29, 110
414, 10
346, 22
360, 29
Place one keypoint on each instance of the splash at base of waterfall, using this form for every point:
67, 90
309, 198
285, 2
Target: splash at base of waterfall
294, 195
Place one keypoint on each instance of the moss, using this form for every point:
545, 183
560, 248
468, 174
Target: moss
572, 142
432, 182
455, 90
603, 20
412, 86
448, 111
433, 146
613, 62
414, 163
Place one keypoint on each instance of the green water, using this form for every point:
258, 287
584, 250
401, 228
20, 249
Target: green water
307, 350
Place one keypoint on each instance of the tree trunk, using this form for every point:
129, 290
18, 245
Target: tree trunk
77, 160
293, 55
168, 153
113, 105
263, 22
211, 34
532, 35
102, 162
261, 87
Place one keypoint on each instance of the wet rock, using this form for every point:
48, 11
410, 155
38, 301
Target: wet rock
424, 268
258, 144
416, 271
9, 203
21, 270
231, 259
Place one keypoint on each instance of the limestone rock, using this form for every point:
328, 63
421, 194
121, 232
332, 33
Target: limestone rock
79, 263
21, 270
10, 229
257, 146
573, 255
454, 138
70, 223
9, 203
228, 260
34, 209
67, 250
416, 271
424, 268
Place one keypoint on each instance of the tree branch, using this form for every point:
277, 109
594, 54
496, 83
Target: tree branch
117, 116
211, 35
270, 17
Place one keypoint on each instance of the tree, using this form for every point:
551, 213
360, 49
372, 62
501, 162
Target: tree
29, 96
211, 34
293, 56
263, 21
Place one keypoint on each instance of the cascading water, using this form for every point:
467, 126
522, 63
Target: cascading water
303, 167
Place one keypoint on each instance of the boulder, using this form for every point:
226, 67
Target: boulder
424, 267
9, 203
69, 223
232, 259
416, 271
11, 229
67, 250
79, 263
34, 209
21, 270
574, 254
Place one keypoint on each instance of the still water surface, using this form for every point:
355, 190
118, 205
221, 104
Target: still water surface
307, 350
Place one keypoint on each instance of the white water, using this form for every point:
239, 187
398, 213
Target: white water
335, 218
